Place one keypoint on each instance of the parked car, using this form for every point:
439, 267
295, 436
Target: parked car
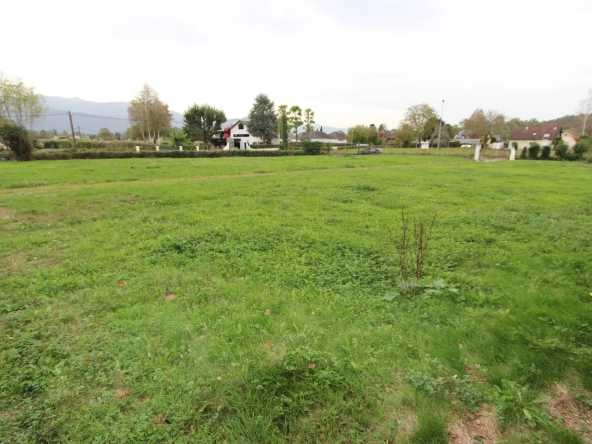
370, 151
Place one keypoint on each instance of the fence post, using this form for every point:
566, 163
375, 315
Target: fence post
157, 148
513, 154
477, 152
137, 149
180, 148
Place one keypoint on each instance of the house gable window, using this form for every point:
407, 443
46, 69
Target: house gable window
241, 126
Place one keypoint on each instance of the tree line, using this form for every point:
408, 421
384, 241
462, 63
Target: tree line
151, 120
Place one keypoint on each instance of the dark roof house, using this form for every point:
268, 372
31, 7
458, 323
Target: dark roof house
338, 135
385, 134
543, 132
315, 135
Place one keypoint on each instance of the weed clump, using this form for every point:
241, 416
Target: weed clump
412, 243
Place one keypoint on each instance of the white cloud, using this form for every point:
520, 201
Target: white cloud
352, 62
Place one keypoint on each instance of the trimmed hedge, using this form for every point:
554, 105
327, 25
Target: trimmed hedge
67, 155
311, 148
116, 145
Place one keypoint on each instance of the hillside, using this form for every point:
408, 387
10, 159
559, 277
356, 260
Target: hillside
111, 115
572, 124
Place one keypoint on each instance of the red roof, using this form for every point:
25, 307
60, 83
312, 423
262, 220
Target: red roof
543, 132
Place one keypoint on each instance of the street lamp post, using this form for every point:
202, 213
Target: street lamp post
440, 130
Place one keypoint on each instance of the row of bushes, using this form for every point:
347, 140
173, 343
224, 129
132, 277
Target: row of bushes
67, 155
94, 144
582, 150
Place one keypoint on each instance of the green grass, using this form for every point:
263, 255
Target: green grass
280, 331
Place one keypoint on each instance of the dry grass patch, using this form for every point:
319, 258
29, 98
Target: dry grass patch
479, 427
574, 415
5, 213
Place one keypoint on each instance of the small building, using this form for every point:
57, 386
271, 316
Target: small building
389, 136
527, 135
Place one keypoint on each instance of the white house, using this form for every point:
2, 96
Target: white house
569, 139
236, 134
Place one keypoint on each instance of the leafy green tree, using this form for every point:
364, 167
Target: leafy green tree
263, 120
201, 122
357, 134
308, 122
406, 135
373, 137
484, 125
105, 134
284, 126
19, 103
382, 127
132, 133
582, 146
148, 115
295, 119
418, 117
16, 138
178, 137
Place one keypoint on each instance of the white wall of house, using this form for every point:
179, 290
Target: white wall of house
527, 143
570, 139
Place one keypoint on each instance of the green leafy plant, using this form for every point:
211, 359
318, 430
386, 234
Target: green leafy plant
518, 404
533, 151
582, 147
178, 137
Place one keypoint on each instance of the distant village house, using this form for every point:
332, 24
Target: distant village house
320, 136
235, 133
527, 135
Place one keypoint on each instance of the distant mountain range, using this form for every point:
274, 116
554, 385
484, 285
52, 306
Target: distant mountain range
90, 117
97, 115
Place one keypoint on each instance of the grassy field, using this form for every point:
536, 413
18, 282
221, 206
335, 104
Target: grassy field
259, 300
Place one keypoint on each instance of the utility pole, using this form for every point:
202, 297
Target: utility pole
440, 130
73, 133
79, 135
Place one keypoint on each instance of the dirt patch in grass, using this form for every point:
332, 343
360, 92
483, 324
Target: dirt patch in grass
18, 261
5, 213
574, 415
479, 427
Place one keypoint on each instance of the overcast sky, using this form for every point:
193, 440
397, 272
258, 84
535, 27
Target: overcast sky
350, 61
